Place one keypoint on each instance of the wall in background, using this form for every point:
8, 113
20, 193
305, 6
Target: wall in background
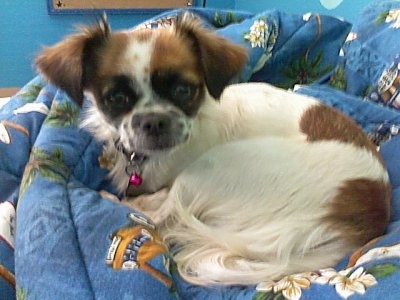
25, 27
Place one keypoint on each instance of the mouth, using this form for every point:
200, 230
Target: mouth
153, 133
151, 145
161, 143
158, 133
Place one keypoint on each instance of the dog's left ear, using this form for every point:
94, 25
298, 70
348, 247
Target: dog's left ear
220, 59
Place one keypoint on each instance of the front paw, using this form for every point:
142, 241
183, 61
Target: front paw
107, 195
147, 202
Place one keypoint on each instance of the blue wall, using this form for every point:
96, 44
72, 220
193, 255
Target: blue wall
25, 26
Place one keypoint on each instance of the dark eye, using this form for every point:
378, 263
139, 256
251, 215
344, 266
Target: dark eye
118, 102
179, 90
118, 98
183, 92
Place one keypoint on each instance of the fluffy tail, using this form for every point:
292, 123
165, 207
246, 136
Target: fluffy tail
208, 254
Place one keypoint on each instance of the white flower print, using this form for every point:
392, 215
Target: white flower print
393, 16
351, 36
353, 280
307, 17
257, 34
346, 282
290, 286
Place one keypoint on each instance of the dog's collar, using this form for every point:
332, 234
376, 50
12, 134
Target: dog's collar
134, 170
134, 167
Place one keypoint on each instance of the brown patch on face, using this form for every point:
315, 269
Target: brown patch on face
174, 68
321, 122
113, 57
361, 210
199, 54
143, 35
172, 53
220, 59
108, 59
113, 60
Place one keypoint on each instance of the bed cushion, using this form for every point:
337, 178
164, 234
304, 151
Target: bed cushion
66, 226
370, 50
55, 190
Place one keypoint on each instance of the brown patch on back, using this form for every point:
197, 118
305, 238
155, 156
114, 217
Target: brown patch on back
361, 210
321, 122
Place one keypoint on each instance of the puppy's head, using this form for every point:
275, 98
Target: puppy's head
146, 85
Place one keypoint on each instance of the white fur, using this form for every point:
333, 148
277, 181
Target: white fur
248, 191
251, 210
243, 111
241, 194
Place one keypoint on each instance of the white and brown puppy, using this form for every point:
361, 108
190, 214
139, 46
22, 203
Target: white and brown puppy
246, 185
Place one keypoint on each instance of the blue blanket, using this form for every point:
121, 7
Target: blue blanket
62, 238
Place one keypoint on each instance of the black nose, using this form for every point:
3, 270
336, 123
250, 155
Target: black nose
152, 123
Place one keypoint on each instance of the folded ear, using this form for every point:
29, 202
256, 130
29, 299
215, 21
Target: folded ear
64, 63
220, 58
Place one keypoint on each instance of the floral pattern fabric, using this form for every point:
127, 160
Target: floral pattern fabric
62, 236
369, 59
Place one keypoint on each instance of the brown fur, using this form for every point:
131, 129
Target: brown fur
321, 122
361, 209
362, 206
91, 60
111, 60
173, 54
66, 63
62, 63
215, 54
